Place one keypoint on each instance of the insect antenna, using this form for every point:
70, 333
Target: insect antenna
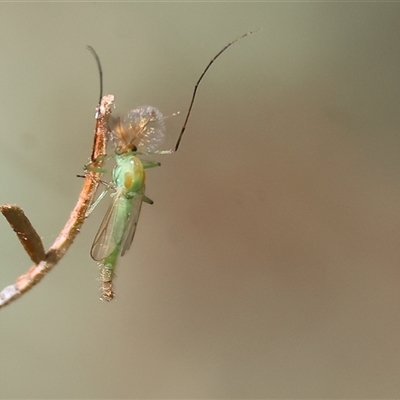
198, 83
96, 57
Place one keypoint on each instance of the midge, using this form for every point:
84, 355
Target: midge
140, 133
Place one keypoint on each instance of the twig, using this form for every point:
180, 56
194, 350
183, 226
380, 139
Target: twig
24, 229
26, 233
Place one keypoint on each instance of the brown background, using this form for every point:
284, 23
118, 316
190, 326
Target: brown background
268, 266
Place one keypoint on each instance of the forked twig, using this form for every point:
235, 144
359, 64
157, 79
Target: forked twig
28, 236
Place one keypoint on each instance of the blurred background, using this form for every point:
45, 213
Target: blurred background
268, 266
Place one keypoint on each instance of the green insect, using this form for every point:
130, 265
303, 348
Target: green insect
140, 132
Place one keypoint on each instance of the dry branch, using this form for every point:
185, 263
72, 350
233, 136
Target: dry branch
29, 237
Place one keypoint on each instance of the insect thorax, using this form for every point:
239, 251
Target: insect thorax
129, 173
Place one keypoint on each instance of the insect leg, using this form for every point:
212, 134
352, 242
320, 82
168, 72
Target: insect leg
98, 200
198, 83
150, 164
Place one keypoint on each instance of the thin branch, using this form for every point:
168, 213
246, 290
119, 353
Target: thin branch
37, 272
26, 233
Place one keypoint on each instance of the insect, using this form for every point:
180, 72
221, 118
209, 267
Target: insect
140, 132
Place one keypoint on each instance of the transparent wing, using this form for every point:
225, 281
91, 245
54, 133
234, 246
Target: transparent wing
132, 222
142, 127
111, 231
